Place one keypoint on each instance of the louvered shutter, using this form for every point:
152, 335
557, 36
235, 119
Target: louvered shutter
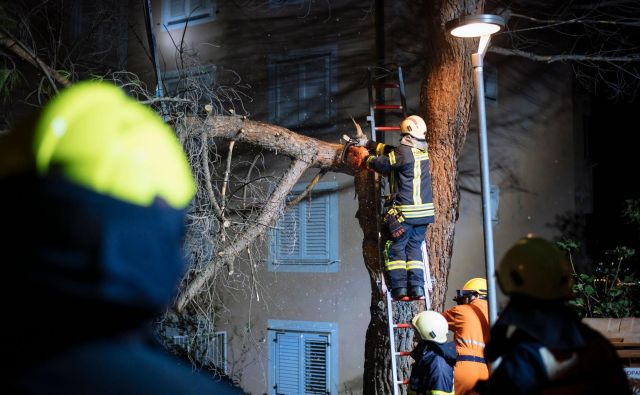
288, 363
315, 236
287, 93
301, 363
316, 364
288, 235
315, 92
305, 238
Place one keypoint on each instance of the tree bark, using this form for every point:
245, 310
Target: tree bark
445, 100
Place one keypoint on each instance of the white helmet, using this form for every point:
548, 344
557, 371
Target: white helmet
415, 126
432, 326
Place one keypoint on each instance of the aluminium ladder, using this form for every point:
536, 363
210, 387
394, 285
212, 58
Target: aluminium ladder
381, 81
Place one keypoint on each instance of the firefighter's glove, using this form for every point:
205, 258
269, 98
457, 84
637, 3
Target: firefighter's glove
356, 156
394, 219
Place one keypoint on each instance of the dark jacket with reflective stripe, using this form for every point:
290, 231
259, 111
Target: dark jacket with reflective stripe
409, 178
432, 371
544, 348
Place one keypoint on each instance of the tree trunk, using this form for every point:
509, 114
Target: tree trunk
445, 99
445, 103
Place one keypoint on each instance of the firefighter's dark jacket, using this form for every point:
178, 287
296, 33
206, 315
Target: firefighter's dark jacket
432, 371
96, 270
409, 177
546, 349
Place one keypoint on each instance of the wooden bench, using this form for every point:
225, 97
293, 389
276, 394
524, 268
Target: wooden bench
623, 333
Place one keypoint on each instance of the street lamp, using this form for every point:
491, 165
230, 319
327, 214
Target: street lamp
482, 26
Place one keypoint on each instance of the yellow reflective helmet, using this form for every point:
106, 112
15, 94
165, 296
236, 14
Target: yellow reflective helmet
535, 267
431, 326
477, 284
415, 126
98, 137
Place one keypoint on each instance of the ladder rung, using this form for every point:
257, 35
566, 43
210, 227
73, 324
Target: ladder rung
402, 326
403, 353
387, 107
405, 381
387, 85
387, 128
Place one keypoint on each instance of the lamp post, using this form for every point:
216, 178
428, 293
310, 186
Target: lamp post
482, 26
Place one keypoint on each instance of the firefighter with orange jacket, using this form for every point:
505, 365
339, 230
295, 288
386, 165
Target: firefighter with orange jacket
410, 205
469, 322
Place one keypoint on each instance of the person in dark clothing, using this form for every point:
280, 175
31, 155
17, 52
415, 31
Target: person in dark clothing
538, 345
432, 371
409, 206
93, 202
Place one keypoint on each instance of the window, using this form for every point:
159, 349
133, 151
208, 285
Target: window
206, 349
302, 86
176, 13
198, 80
303, 357
306, 237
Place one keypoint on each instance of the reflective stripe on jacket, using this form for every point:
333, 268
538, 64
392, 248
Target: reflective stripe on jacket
409, 178
470, 325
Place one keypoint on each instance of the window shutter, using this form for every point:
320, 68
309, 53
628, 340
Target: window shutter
288, 235
315, 90
316, 364
306, 238
288, 363
302, 363
287, 95
316, 233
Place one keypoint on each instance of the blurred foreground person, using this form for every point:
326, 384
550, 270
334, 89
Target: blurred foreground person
92, 198
469, 322
538, 345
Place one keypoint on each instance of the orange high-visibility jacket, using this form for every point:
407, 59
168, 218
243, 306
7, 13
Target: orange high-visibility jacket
470, 325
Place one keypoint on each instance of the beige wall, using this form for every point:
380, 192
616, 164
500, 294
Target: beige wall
530, 131
342, 298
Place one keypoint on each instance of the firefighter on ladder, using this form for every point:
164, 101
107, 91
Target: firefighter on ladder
409, 206
469, 321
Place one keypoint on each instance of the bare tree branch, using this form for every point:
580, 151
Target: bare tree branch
563, 57
305, 152
24, 53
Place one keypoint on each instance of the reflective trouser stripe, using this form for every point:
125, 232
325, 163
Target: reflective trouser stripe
437, 392
395, 265
415, 265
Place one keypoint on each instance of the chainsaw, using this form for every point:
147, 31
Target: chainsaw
359, 140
